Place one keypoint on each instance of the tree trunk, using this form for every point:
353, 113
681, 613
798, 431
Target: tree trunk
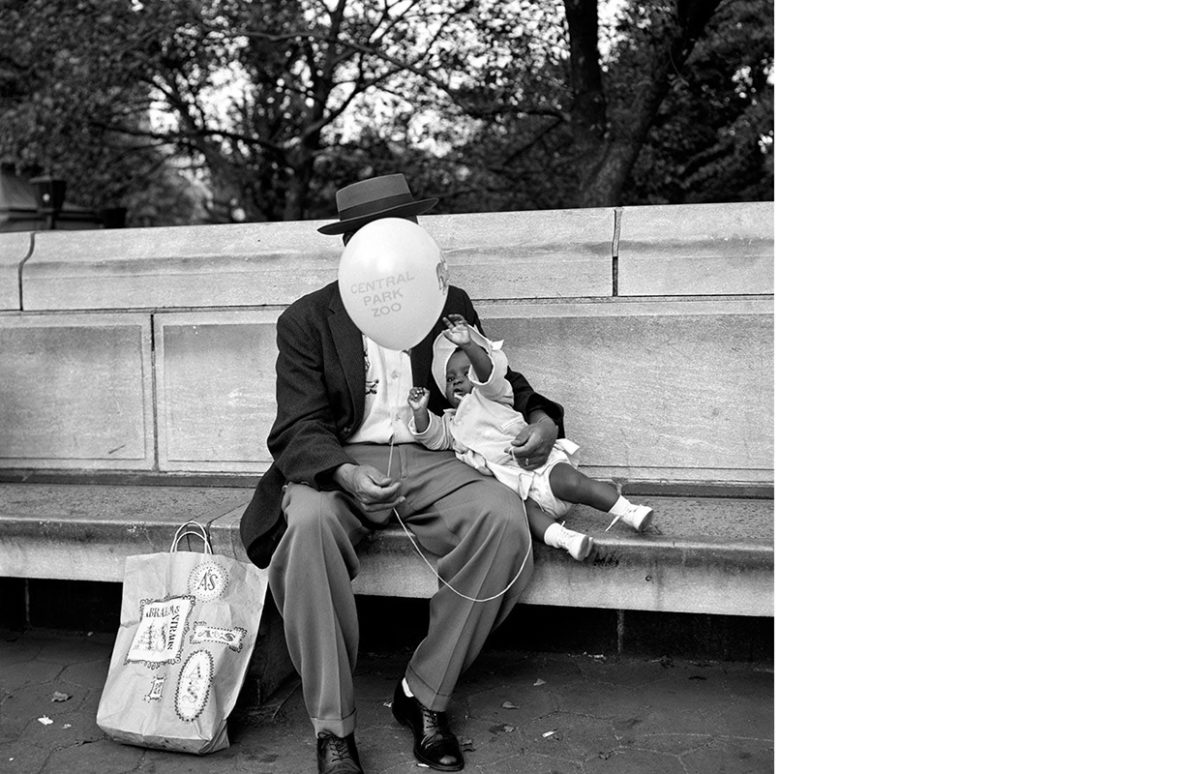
589, 109
296, 202
607, 158
303, 167
321, 62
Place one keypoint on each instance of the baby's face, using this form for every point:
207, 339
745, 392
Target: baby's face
457, 383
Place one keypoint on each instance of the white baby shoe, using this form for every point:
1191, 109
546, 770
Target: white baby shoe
636, 516
577, 544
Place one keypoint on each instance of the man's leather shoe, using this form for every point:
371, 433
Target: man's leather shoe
337, 754
433, 743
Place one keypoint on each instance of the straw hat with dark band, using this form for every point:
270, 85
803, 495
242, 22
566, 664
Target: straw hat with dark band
378, 197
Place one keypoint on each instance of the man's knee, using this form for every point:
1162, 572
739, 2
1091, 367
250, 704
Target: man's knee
309, 514
504, 513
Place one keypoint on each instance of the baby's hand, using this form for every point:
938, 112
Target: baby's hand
418, 398
457, 330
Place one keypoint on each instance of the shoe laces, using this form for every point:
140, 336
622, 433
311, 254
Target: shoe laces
432, 718
338, 749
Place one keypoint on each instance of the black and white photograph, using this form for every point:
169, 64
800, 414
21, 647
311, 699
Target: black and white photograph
389, 386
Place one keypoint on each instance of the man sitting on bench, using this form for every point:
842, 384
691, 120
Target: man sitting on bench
340, 432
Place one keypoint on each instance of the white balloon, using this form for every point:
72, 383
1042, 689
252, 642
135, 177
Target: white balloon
393, 280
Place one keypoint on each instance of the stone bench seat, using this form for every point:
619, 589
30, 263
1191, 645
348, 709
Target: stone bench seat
710, 555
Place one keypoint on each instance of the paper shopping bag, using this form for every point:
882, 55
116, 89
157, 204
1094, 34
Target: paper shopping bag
188, 625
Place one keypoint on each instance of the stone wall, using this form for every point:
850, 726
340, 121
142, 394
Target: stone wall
153, 349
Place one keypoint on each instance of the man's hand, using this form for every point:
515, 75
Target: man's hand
531, 448
375, 493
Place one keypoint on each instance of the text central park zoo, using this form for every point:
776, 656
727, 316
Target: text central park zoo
385, 294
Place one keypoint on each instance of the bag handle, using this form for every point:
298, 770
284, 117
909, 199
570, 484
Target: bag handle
192, 528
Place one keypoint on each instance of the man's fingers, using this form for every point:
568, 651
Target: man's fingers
382, 507
387, 492
531, 460
372, 496
380, 514
375, 477
526, 452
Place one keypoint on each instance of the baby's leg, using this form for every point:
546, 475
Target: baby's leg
550, 531
569, 485
539, 522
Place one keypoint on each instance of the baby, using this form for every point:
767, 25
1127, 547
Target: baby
469, 369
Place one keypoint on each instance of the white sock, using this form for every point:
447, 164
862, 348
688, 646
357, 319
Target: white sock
554, 536
621, 506
404, 685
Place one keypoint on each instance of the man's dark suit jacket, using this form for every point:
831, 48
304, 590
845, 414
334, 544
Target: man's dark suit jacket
319, 391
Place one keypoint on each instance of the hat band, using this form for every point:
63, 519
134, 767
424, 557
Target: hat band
377, 205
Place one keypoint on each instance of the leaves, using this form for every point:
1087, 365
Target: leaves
196, 110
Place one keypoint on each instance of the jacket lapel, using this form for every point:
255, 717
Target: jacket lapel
421, 358
347, 341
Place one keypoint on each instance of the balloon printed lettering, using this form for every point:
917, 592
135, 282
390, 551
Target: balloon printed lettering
393, 282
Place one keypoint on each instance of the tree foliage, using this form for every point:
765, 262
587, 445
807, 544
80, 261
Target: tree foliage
266, 107
67, 86
713, 137
672, 102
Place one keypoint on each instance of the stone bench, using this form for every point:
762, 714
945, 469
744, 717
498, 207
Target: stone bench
137, 389
706, 555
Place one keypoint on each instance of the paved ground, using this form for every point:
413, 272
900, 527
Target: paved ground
517, 713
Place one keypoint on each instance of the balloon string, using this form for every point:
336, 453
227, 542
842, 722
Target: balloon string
444, 582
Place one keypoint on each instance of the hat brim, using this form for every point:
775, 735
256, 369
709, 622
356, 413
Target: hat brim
417, 207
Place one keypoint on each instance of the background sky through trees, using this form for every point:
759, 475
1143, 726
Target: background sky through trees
189, 111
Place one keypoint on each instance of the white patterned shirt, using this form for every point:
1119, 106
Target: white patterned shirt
385, 410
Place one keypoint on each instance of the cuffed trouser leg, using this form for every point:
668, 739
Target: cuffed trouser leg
478, 528
489, 521
309, 577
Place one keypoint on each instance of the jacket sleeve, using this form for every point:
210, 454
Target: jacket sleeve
525, 399
304, 440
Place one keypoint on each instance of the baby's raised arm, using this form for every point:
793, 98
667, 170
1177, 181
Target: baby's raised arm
460, 335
